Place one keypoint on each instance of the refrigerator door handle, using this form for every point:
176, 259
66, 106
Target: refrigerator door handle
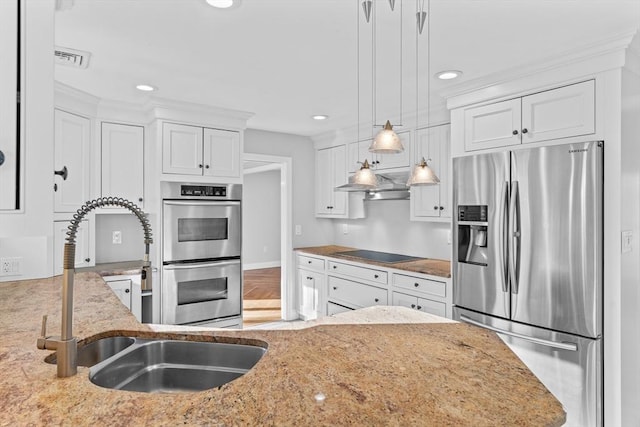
514, 235
547, 343
504, 232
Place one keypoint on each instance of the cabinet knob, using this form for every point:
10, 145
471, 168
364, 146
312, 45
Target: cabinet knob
139, 199
515, 132
309, 278
335, 267
308, 262
419, 307
126, 291
206, 166
416, 284
376, 300
435, 208
525, 130
200, 166
87, 259
441, 208
375, 276
413, 306
335, 288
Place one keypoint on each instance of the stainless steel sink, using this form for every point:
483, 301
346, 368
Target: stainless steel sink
97, 351
167, 366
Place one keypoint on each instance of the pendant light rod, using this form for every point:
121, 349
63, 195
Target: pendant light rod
366, 6
392, 3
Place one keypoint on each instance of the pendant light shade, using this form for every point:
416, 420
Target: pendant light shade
363, 180
422, 175
386, 141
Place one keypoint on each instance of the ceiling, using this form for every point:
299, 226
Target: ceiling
286, 60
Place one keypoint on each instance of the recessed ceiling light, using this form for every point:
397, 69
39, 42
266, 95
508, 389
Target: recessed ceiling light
449, 74
221, 4
320, 117
146, 88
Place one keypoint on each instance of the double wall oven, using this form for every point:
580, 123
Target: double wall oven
201, 248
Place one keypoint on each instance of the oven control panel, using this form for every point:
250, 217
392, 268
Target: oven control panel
203, 190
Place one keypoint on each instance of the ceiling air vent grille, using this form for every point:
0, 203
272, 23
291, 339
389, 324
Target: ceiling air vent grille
72, 57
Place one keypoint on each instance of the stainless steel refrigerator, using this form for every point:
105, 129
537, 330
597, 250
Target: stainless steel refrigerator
528, 262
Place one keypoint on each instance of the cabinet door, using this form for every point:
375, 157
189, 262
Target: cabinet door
122, 289
492, 125
308, 294
123, 161
221, 153
8, 106
432, 201
559, 113
398, 160
84, 244
181, 149
71, 150
324, 190
339, 177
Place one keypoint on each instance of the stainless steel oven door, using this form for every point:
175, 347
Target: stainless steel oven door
199, 230
195, 292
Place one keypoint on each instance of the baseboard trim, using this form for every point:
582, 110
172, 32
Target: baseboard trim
259, 265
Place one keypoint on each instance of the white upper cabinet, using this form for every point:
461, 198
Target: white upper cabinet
193, 150
221, 153
559, 113
182, 149
564, 112
433, 201
71, 161
9, 143
331, 171
493, 125
123, 162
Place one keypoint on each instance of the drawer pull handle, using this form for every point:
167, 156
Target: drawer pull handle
416, 284
309, 278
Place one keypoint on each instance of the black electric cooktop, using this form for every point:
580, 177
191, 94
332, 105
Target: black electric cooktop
378, 256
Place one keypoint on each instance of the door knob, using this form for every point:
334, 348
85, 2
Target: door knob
64, 172
1, 157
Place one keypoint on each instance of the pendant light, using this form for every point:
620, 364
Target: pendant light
386, 141
364, 179
422, 174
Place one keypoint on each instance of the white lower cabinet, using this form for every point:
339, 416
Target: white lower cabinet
355, 294
128, 291
311, 285
122, 289
420, 304
84, 244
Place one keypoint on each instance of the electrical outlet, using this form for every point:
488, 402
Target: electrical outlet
10, 266
116, 238
627, 238
448, 237
298, 230
345, 229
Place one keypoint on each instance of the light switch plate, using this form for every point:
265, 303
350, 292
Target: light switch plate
298, 230
627, 239
116, 238
345, 229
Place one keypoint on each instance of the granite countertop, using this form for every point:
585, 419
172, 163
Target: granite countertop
122, 268
433, 267
371, 374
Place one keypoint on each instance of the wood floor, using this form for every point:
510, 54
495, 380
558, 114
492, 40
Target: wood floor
261, 299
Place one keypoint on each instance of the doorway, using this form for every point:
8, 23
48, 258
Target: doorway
267, 276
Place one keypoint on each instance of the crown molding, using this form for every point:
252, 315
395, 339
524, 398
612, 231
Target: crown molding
199, 114
75, 100
594, 58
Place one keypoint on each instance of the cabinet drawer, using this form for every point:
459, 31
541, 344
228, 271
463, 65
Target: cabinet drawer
310, 263
357, 294
427, 286
420, 304
364, 273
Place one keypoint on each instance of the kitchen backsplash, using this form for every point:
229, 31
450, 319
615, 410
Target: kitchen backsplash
387, 228
132, 246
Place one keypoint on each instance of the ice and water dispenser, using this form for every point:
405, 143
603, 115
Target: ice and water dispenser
472, 234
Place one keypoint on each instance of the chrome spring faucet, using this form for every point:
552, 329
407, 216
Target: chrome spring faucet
66, 344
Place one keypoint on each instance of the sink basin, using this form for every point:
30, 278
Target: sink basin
167, 366
97, 351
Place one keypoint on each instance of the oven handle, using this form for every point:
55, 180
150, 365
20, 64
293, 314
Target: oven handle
201, 265
201, 202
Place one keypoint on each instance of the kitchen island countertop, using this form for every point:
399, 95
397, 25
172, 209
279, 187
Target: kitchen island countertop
371, 374
430, 266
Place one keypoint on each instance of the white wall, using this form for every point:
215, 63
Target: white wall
261, 220
29, 234
387, 228
132, 246
630, 221
300, 149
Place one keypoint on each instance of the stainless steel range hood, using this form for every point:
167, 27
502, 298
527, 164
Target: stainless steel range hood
391, 186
